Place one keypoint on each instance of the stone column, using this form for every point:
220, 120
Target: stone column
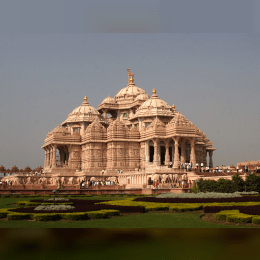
167, 155
176, 153
192, 154
210, 159
183, 152
155, 156
147, 156
54, 155
105, 113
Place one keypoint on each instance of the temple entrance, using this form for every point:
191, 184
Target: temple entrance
151, 153
163, 150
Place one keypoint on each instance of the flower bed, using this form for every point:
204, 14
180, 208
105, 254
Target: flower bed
83, 206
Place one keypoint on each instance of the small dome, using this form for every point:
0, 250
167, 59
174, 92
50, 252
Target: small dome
154, 106
109, 99
143, 96
84, 113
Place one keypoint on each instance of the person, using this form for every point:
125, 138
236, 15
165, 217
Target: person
157, 184
83, 185
237, 168
170, 164
197, 165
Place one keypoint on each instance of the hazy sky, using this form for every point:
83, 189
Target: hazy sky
204, 58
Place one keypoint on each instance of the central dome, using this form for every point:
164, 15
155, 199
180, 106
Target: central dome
131, 91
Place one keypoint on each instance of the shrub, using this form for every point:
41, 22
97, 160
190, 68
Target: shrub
19, 216
112, 212
256, 219
46, 217
223, 214
155, 207
183, 208
97, 214
75, 216
239, 218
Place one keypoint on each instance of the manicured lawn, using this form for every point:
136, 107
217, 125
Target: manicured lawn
146, 220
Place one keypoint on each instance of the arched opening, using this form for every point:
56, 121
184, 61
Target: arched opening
163, 150
151, 153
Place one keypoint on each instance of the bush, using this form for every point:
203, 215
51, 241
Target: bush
223, 214
46, 216
112, 212
256, 219
97, 214
75, 216
239, 218
183, 208
155, 207
19, 216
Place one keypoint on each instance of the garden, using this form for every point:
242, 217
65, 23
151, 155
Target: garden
222, 203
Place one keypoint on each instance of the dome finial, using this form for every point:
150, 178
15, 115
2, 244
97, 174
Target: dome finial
154, 91
130, 74
85, 98
173, 106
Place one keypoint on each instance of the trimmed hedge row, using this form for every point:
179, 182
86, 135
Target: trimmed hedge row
237, 217
199, 200
173, 206
7, 213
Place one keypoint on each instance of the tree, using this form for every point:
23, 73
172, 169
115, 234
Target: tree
27, 169
239, 183
14, 169
252, 182
2, 169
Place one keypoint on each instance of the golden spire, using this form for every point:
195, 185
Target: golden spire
130, 74
173, 106
154, 91
85, 98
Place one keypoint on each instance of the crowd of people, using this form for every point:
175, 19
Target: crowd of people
88, 184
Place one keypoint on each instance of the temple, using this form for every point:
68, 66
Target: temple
131, 136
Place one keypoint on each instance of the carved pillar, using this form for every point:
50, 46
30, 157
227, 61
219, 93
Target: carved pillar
167, 155
210, 159
183, 152
176, 153
54, 155
192, 154
105, 113
155, 156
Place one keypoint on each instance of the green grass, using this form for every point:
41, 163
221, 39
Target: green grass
146, 220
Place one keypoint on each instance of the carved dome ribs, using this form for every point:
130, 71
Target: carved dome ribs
154, 106
84, 113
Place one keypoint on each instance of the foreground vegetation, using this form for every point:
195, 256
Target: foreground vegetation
176, 215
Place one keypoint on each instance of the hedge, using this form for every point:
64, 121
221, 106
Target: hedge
47, 217
223, 214
239, 218
256, 219
75, 216
19, 216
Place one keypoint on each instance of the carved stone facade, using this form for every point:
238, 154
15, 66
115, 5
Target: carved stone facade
132, 132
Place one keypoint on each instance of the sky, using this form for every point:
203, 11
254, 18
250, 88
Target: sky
202, 57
